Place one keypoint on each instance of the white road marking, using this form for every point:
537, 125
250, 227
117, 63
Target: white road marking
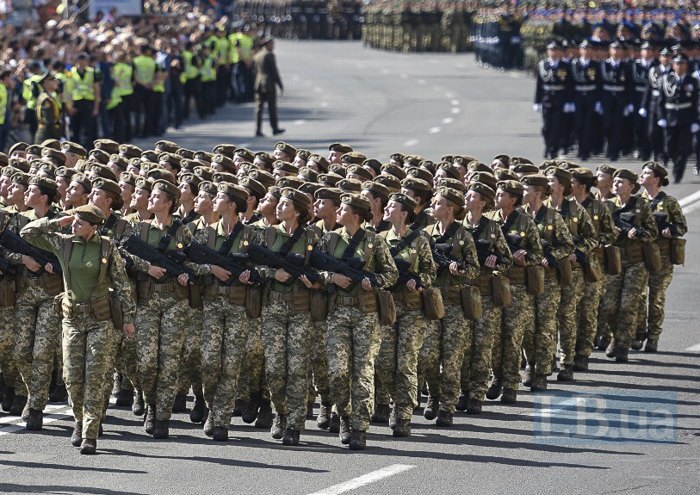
421, 81
434, 130
299, 122
455, 110
365, 479
691, 198
385, 71
455, 102
691, 208
449, 95
411, 142
448, 120
51, 414
324, 104
694, 348
403, 76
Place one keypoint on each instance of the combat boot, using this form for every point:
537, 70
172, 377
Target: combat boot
125, 398
209, 427
580, 363
116, 384
18, 405
621, 354
8, 399
381, 414
475, 406
402, 428
462, 402
150, 419
358, 440
180, 404
566, 374
250, 411
527, 376
637, 344
76, 437
199, 411
324, 417
392, 418
431, 408
264, 420
35, 421
161, 429
279, 425
310, 410
238, 407
611, 349
88, 446
220, 434
59, 393
651, 346
345, 433
603, 342
138, 407
494, 390
444, 419
334, 425
509, 396
539, 383
291, 437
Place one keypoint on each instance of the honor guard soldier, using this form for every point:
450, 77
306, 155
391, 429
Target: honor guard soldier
586, 73
640, 73
617, 98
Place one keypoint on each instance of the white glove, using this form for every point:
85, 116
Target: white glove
537, 107
598, 108
569, 107
694, 127
642, 112
628, 110
662, 123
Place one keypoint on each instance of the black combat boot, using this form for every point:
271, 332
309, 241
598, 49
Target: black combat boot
18, 405
310, 410
88, 446
180, 404
539, 383
250, 411
199, 411
402, 428
209, 427
431, 408
220, 434
334, 425
76, 437
125, 398
291, 437
611, 350
651, 346
116, 384
138, 407
381, 414
161, 429
621, 354
59, 393
494, 390
345, 432
35, 421
150, 419
8, 399
580, 363
264, 420
462, 402
475, 406
279, 425
324, 416
358, 440
566, 374
527, 376
509, 396
444, 419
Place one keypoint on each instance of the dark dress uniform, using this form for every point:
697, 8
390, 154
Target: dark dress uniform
587, 88
267, 79
651, 106
617, 97
640, 137
554, 91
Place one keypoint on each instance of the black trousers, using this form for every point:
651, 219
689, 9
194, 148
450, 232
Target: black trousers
193, 91
83, 124
271, 99
678, 140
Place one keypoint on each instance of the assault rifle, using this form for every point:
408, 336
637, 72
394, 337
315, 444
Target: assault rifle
405, 273
350, 267
234, 263
625, 222
443, 260
292, 263
171, 260
663, 224
15, 244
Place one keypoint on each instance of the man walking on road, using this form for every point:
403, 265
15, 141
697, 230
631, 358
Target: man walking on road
267, 77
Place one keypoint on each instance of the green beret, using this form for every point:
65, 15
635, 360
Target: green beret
275, 192
350, 185
263, 176
20, 163
107, 185
358, 204
505, 174
566, 165
255, 187
57, 157
191, 179
175, 161
525, 168
584, 176
43, 182
420, 173
415, 184
303, 154
223, 162
353, 157
659, 171
225, 149
624, 173
21, 178
450, 170
340, 148
265, 157
167, 187
331, 193
18, 147
107, 145
292, 181
99, 156
518, 160
285, 167
484, 190
447, 158
159, 173
451, 183
144, 183
547, 164
374, 164
377, 189
308, 174
606, 169
53, 144
536, 180
563, 176
395, 170
330, 179
130, 151
310, 188
102, 171
363, 173
34, 149
392, 183
486, 178
412, 160
65, 172
453, 196
128, 178
206, 173
233, 191
119, 161
218, 177
167, 146
244, 154
286, 148
74, 148
209, 188
339, 169
203, 156
406, 201
89, 213
301, 201
397, 157
504, 159
475, 166
185, 153
512, 187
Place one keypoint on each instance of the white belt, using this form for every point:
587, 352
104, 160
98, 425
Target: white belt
641, 89
616, 89
590, 87
678, 106
554, 88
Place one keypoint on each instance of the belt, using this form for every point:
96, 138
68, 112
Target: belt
554, 87
81, 308
347, 300
641, 89
678, 106
224, 290
614, 89
166, 287
656, 92
588, 87
282, 296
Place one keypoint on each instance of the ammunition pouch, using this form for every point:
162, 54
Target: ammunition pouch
8, 292
535, 279
565, 271
319, 305
387, 307
652, 257
470, 296
501, 291
677, 251
433, 306
613, 260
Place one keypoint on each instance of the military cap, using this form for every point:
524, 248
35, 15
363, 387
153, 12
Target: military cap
83, 180
374, 164
300, 200
118, 161
485, 177
680, 59
358, 170
218, 177
303, 154
292, 181
167, 187
517, 160
43, 182
171, 159
74, 148
584, 175
453, 196
624, 173
203, 156
107, 185
406, 201
484, 190
535, 180
166, 146
320, 161
525, 168
233, 191
310, 188
616, 45
18, 147
107, 145
262, 176
359, 205
416, 184
504, 159
666, 52
144, 183
462, 160
377, 189
56, 157
66, 172
450, 170
353, 157
286, 148
350, 185
209, 187
224, 162
186, 164
44, 166
225, 149
340, 148
585, 44
185, 153
330, 179
275, 192
308, 174
447, 158
512, 187
128, 178
53, 144
130, 151
395, 170
392, 183
331, 193
20, 164
397, 157
34, 149
206, 173
9, 171
412, 160
606, 169
102, 171
149, 156
659, 171
266, 158
504, 174
191, 179
475, 166
256, 188
451, 183
99, 156
553, 45
566, 164
338, 169
285, 167
563, 176
89, 213
161, 174
244, 154
21, 178
420, 173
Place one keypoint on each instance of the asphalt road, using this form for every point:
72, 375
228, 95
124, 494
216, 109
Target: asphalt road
630, 428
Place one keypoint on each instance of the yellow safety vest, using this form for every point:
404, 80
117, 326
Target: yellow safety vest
145, 68
234, 58
159, 84
28, 92
123, 73
208, 71
84, 88
115, 98
191, 71
4, 94
222, 45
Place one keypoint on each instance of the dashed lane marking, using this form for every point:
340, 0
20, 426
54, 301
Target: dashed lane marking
365, 479
411, 142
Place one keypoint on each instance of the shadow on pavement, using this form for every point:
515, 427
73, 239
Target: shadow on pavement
12, 488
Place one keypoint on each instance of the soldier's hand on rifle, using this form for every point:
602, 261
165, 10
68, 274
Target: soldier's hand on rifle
491, 261
48, 268
30, 263
305, 280
632, 234
545, 263
281, 275
519, 256
156, 272
667, 233
411, 285
221, 273
342, 281
454, 268
572, 258
366, 284
129, 330
244, 277
183, 279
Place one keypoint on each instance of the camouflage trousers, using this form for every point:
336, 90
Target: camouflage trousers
286, 337
318, 378
440, 361
110, 350
252, 381
396, 366
540, 341
85, 359
160, 331
642, 315
224, 339
567, 317
476, 367
353, 343
384, 365
658, 285
8, 364
588, 316
623, 295
517, 320
126, 358
37, 338
191, 363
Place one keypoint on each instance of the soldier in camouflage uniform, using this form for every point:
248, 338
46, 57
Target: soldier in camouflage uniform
446, 344
353, 325
557, 245
671, 225
91, 266
161, 311
523, 239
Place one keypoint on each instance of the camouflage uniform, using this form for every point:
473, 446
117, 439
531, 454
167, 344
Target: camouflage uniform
353, 327
476, 368
446, 344
85, 340
8, 364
